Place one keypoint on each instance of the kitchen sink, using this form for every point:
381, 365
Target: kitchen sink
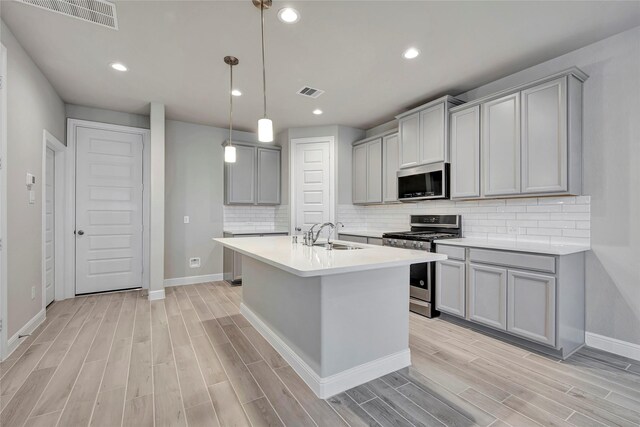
339, 246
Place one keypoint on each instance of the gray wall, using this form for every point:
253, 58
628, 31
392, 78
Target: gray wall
33, 105
194, 182
611, 155
106, 116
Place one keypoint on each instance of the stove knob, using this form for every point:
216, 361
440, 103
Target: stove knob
419, 245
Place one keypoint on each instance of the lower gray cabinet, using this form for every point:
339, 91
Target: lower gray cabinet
488, 295
532, 306
450, 287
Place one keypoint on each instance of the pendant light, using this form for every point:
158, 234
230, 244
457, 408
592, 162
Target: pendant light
229, 149
265, 125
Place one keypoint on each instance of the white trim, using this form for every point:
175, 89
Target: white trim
192, 280
156, 295
70, 217
613, 345
4, 281
27, 329
325, 387
332, 171
59, 149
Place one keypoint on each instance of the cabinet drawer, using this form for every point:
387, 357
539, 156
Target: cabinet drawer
352, 238
453, 252
374, 241
513, 259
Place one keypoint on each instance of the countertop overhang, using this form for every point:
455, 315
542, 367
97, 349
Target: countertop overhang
305, 261
508, 245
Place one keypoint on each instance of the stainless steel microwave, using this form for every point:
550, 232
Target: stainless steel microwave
424, 183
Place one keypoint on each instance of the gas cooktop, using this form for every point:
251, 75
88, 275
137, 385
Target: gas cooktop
424, 236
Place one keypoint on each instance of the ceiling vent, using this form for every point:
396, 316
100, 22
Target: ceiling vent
310, 92
99, 12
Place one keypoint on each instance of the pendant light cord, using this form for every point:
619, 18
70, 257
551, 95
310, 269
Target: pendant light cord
230, 102
264, 74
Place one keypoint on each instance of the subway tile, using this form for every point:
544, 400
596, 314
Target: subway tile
569, 200
544, 208
570, 232
557, 224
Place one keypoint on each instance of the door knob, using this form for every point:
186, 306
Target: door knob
80, 232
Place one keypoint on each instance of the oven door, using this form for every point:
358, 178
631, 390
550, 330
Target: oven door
421, 279
423, 183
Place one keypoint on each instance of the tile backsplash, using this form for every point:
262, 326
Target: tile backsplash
554, 220
250, 218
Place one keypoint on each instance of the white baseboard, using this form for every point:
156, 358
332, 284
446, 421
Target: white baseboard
613, 345
192, 280
155, 295
27, 329
325, 387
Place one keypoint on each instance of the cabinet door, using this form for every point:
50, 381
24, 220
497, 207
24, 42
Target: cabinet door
544, 138
374, 171
531, 306
241, 177
408, 132
501, 146
488, 295
432, 138
450, 287
390, 166
268, 177
360, 173
465, 153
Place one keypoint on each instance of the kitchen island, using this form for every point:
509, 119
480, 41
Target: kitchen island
339, 317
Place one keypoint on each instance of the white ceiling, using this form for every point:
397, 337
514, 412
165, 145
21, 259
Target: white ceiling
350, 49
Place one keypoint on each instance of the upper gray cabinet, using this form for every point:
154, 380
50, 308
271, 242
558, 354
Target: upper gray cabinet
422, 133
390, 166
530, 139
465, 153
254, 179
367, 171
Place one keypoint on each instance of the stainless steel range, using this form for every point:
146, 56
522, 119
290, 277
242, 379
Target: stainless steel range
425, 229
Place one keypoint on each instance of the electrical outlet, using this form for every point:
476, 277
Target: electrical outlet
194, 262
512, 230
33, 292
186, 219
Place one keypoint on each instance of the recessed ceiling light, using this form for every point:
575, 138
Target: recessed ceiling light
317, 111
411, 53
236, 92
118, 66
288, 15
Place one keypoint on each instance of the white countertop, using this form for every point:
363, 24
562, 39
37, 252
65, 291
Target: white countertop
509, 245
306, 261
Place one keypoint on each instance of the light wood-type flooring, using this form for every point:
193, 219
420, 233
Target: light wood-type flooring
192, 359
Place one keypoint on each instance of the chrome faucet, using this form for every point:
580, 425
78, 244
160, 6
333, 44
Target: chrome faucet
333, 229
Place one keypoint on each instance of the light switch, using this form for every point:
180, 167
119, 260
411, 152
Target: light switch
186, 220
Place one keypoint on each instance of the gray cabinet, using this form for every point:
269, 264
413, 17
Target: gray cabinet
544, 138
451, 287
488, 295
367, 171
532, 306
390, 166
254, 179
465, 153
355, 238
423, 133
501, 145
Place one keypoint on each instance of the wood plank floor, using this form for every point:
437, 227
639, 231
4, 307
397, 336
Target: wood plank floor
192, 359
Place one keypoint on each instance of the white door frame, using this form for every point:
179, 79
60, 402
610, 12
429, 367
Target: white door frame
70, 212
59, 231
292, 173
4, 347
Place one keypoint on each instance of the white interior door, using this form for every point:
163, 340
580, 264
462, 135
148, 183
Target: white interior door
50, 225
312, 183
109, 206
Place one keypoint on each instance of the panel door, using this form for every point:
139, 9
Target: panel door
241, 176
374, 171
108, 210
360, 173
465, 153
544, 138
408, 133
390, 166
488, 295
432, 135
268, 184
531, 306
450, 287
312, 184
501, 146
50, 225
